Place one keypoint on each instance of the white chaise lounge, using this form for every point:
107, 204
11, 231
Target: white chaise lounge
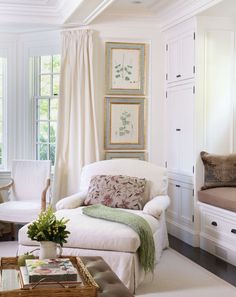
115, 242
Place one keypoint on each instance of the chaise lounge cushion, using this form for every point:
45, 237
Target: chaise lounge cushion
224, 197
84, 236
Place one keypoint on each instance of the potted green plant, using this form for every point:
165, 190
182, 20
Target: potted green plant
50, 232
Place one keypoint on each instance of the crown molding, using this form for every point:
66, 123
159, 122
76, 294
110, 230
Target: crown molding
88, 11
166, 14
183, 10
97, 11
140, 20
67, 8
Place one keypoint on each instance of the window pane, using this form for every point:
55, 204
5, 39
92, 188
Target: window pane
47, 69
43, 151
43, 132
46, 64
1, 151
1, 85
56, 63
1, 131
53, 109
45, 85
55, 85
43, 109
53, 132
52, 153
1, 105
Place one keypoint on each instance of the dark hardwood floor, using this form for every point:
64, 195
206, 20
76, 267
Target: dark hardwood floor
215, 265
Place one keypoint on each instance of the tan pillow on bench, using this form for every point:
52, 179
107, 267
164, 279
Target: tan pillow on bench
220, 170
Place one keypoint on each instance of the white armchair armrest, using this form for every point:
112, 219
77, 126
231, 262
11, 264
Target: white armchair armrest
157, 205
71, 201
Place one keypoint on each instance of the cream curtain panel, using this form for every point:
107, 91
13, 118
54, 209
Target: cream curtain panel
77, 140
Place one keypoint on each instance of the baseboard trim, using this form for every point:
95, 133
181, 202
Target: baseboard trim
218, 249
183, 233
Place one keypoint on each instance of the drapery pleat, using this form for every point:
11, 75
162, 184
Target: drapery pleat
77, 140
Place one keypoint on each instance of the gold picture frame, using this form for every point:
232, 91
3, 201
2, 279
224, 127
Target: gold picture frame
125, 155
125, 123
125, 68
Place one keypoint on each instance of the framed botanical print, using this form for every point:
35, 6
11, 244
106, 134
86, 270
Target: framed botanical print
125, 68
124, 155
124, 127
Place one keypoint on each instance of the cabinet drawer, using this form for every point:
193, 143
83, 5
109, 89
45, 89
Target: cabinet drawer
217, 226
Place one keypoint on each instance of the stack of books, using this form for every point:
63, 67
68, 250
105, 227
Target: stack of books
49, 272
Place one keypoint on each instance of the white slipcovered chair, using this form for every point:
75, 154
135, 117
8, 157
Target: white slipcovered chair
30, 180
115, 242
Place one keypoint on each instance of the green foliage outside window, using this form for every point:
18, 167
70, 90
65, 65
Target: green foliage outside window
47, 106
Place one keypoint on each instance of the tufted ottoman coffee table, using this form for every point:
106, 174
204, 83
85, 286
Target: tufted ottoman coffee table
109, 283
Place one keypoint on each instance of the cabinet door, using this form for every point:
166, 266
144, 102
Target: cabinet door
186, 204
180, 131
173, 193
181, 207
186, 124
173, 60
173, 125
187, 53
181, 57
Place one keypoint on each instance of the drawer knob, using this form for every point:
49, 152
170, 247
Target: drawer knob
214, 224
233, 231
179, 75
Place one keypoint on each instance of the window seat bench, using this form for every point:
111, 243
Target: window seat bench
223, 197
217, 208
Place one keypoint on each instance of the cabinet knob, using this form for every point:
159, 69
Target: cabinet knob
214, 223
233, 231
179, 75
177, 186
178, 129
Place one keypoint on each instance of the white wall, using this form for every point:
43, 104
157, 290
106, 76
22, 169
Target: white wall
143, 32
215, 88
21, 47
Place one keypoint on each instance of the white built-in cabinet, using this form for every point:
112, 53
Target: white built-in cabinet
180, 128
180, 110
200, 115
180, 57
181, 209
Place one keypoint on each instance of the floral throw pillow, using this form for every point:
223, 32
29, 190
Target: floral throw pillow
116, 191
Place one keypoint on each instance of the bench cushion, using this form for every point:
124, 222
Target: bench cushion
224, 197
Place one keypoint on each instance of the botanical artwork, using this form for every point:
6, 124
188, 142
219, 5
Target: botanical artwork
125, 69
124, 127
124, 123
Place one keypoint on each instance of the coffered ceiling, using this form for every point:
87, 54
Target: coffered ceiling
28, 15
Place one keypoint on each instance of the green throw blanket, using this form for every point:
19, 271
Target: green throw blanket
146, 251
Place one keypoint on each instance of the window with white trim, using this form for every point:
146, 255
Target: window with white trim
3, 96
46, 70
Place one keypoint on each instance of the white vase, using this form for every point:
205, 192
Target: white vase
49, 250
